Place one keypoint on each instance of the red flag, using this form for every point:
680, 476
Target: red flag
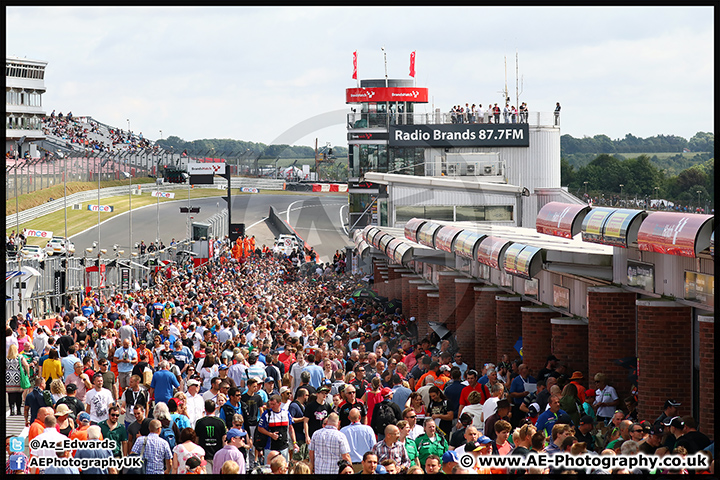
412, 64
354, 76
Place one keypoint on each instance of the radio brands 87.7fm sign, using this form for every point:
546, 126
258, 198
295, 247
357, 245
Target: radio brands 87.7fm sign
460, 135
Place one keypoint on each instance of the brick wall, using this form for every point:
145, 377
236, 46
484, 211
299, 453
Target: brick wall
509, 324
413, 302
570, 345
433, 304
465, 317
405, 295
423, 308
611, 334
706, 415
446, 285
665, 356
485, 325
537, 336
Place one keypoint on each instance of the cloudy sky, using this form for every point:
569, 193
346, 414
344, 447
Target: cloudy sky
255, 73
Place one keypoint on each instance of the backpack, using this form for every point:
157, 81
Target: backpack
383, 417
103, 348
47, 397
168, 435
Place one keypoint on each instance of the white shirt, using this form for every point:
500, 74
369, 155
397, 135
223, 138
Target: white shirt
415, 432
99, 403
489, 408
476, 411
195, 408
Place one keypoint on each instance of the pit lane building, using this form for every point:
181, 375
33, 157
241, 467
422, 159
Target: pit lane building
467, 224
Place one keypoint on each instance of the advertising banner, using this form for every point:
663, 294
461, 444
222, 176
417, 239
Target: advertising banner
163, 194
460, 135
426, 233
490, 250
445, 236
561, 297
611, 226
466, 242
206, 168
559, 219
411, 228
518, 259
700, 287
101, 208
37, 233
675, 233
641, 275
387, 94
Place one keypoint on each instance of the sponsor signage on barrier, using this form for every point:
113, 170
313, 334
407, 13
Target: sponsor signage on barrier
163, 194
675, 233
460, 135
560, 219
249, 190
367, 136
386, 94
101, 208
206, 168
38, 233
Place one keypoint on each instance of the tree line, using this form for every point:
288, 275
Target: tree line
229, 148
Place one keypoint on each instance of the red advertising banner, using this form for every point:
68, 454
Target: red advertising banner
386, 94
445, 236
412, 64
490, 249
412, 227
354, 75
559, 219
675, 233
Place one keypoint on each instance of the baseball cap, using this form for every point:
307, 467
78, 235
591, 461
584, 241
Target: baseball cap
323, 389
192, 382
564, 419
671, 403
269, 379
223, 367
194, 462
235, 432
385, 391
586, 419
71, 387
450, 456
284, 389
83, 417
675, 422
657, 429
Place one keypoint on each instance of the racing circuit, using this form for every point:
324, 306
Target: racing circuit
319, 219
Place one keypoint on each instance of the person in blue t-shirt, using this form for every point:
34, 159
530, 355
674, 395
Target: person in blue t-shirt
547, 419
162, 384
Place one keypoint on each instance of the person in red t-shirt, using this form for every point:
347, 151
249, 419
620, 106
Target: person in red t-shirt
473, 385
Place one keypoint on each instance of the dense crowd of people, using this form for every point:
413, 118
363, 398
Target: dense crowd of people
75, 132
237, 367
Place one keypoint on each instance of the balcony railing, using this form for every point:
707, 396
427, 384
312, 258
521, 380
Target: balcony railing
384, 120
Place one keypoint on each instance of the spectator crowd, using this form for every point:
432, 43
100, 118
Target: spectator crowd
237, 367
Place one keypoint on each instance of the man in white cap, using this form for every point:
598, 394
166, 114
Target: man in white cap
195, 401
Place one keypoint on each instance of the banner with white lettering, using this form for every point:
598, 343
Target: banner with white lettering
163, 194
460, 135
101, 208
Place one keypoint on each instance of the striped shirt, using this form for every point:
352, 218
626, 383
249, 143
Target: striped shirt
328, 445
